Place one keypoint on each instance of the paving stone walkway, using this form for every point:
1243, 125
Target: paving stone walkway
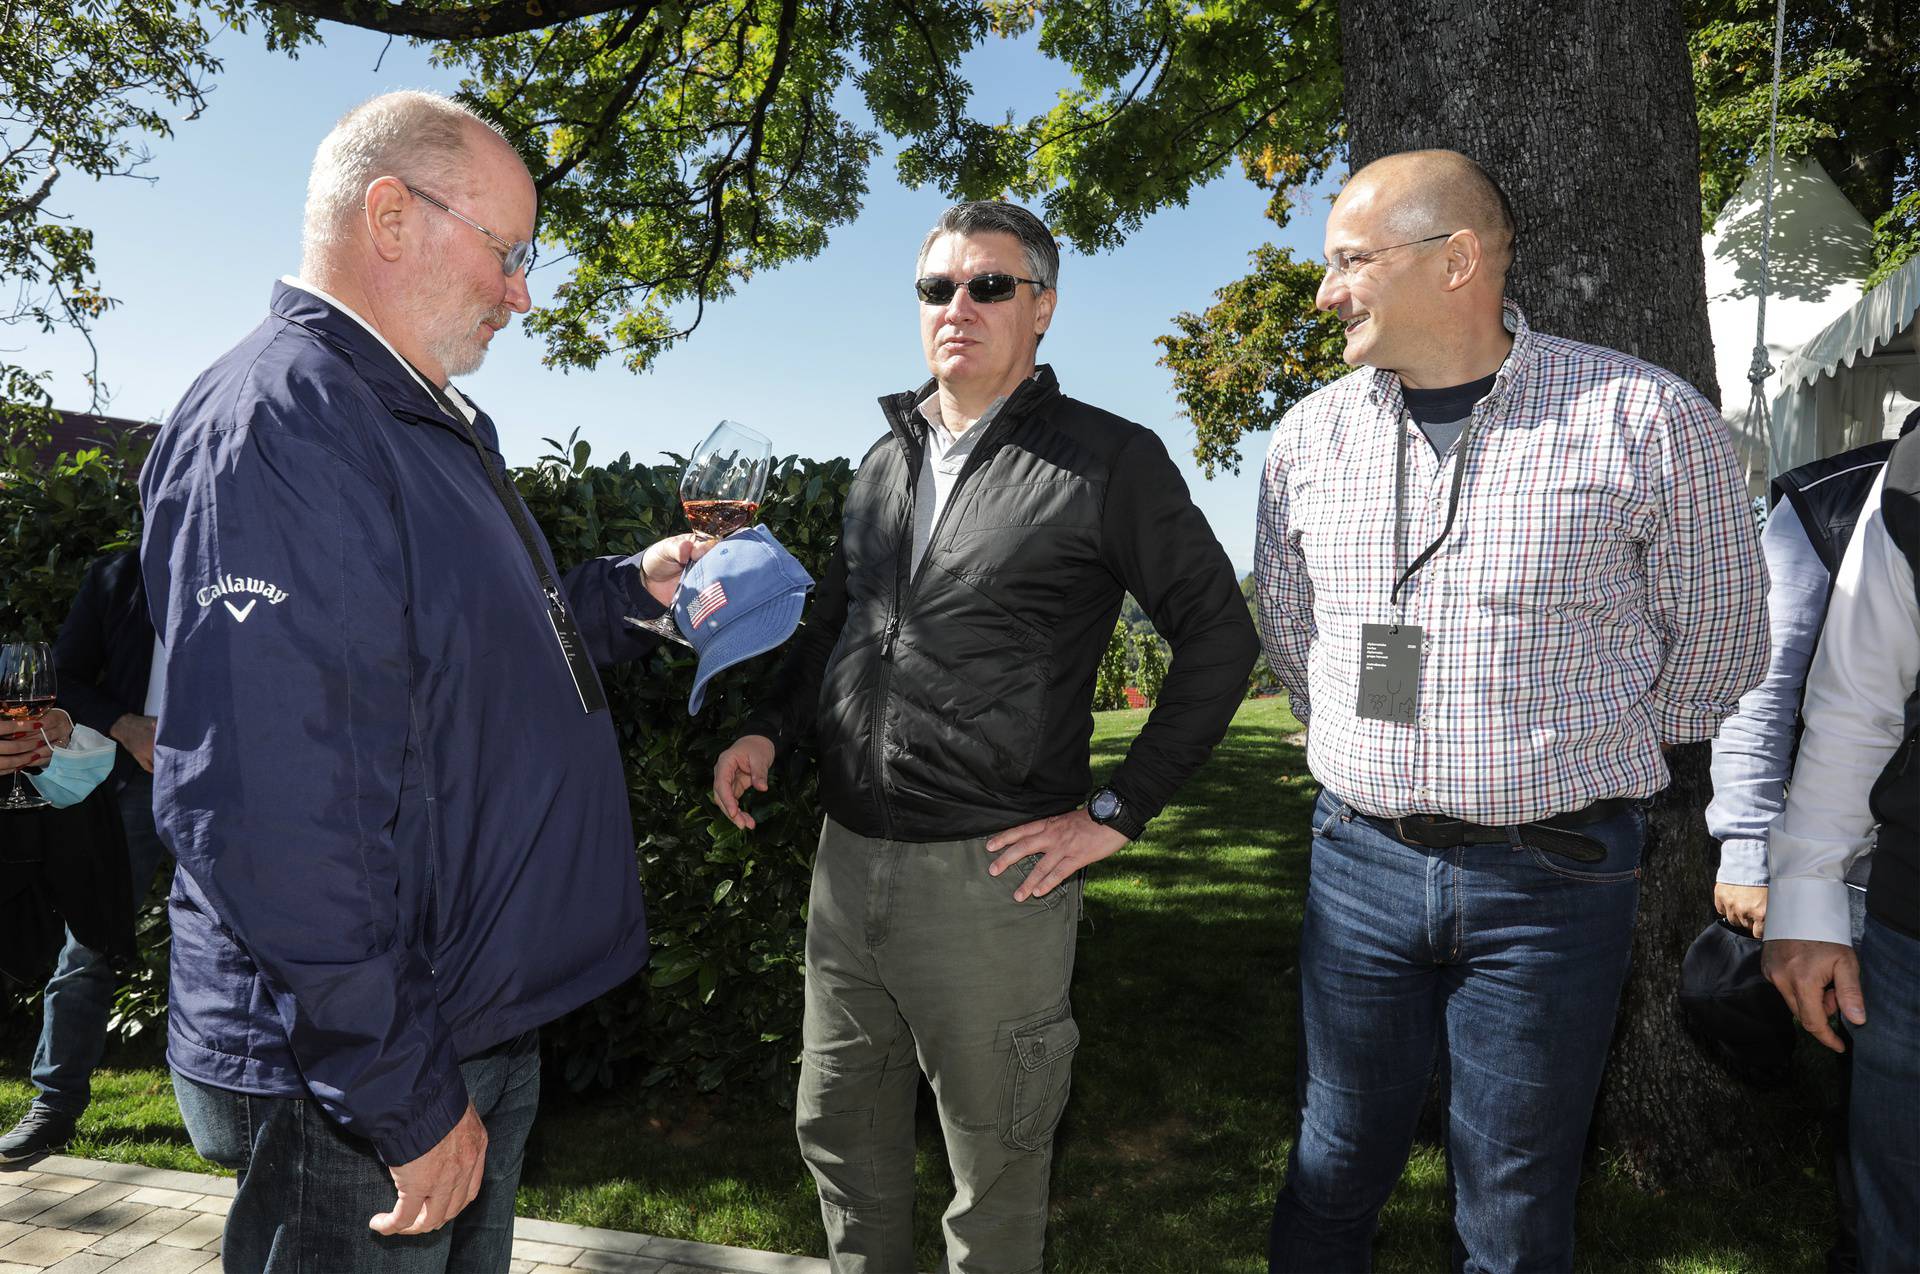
80, 1216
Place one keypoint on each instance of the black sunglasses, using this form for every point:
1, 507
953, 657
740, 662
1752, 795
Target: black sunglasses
987, 289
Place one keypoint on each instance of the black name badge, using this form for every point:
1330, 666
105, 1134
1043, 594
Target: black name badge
585, 680
1389, 672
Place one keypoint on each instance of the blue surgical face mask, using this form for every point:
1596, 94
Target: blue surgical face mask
76, 769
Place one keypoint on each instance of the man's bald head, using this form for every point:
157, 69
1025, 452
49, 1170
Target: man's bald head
1417, 248
1437, 192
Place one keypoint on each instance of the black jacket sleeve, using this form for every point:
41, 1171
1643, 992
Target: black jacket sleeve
1158, 544
80, 653
790, 717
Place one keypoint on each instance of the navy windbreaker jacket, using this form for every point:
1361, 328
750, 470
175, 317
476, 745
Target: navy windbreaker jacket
401, 840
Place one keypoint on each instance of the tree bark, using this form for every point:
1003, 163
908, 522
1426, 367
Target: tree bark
1584, 113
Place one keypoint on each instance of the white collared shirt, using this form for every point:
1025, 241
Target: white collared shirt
1869, 654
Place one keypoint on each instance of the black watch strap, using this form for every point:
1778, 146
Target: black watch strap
1124, 820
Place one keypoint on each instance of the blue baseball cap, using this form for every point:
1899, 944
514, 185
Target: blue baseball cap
742, 599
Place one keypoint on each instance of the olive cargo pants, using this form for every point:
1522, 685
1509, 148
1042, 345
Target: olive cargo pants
918, 960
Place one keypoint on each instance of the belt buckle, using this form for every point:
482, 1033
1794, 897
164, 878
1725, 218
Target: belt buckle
1416, 837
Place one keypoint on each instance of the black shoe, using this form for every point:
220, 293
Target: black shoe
41, 1131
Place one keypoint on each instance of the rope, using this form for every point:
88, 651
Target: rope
1759, 409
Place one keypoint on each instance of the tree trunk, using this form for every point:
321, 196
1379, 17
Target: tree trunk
1585, 114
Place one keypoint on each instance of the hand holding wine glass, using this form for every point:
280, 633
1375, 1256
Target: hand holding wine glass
725, 478
26, 693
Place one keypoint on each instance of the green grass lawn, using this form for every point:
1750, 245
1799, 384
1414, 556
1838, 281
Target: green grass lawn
1183, 1097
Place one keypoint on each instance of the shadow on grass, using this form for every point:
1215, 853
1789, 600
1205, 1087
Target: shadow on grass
1171, 1151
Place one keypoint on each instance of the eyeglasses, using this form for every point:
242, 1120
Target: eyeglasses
518, 254
987, 289
1343, 263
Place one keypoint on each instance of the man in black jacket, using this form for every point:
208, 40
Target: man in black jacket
945, 674
102, 657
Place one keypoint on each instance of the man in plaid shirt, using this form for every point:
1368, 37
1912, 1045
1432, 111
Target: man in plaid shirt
1575, 584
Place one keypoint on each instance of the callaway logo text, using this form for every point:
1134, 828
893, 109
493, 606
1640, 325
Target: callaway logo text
233, 585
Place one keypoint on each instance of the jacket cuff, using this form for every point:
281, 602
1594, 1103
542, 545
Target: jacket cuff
1128, 823
432, 1120
1809, 908
641, 605
1742, 862
767, 727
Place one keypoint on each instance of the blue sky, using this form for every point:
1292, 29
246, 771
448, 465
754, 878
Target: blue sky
800, 353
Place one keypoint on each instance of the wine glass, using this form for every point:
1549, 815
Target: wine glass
725, 479
26, 692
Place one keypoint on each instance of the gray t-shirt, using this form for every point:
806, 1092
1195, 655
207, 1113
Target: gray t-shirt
940, 464
1442, 433
1443, 413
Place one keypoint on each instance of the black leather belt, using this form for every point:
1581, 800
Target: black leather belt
1553, 835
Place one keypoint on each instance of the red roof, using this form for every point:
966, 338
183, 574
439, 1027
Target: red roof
74, 431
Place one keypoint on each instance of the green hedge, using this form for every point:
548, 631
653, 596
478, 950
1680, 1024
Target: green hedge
719, 1007
55, 520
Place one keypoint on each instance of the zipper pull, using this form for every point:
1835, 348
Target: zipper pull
553, 600
886, 641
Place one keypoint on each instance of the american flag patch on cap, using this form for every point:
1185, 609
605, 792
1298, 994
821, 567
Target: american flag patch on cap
711, 599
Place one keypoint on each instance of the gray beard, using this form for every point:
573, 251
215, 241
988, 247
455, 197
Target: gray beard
457, 356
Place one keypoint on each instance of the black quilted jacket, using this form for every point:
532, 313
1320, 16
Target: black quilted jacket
956, 701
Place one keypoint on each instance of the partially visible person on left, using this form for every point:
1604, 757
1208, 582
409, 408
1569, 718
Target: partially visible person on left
27, 749
104, 655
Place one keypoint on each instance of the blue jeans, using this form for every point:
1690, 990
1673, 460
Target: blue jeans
77, 1003
1883, 1113
1500, 964
307, 1187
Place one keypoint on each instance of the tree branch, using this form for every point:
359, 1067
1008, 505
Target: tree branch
31, 204
610, 114
468, 22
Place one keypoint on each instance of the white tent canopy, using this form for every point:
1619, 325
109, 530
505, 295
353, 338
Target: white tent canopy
1822, 251
1856, 379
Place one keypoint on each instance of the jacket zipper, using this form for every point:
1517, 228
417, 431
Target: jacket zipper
876, 749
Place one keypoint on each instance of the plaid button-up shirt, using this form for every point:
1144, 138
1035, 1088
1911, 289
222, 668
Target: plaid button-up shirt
1602, 591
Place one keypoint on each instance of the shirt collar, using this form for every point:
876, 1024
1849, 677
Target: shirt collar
930, 411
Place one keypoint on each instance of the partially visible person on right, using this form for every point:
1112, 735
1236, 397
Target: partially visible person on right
1858, 767
1815, 509
1813, 512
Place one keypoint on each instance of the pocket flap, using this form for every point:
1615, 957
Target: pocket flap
1042, 1045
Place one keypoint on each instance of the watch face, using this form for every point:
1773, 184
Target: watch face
1104, 805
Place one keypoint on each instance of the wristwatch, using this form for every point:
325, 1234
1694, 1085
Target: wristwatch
1109, 809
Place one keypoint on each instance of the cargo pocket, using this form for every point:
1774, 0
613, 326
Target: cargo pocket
1040, 1075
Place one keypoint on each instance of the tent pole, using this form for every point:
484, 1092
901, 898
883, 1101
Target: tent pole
1759, 410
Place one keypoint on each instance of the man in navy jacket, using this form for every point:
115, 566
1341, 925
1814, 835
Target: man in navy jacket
384, 764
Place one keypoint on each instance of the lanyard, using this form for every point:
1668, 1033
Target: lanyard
1399, 500
565, 632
